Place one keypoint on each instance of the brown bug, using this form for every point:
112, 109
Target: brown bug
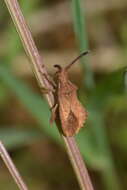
72, 114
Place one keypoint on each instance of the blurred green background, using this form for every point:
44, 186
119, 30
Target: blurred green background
62, 29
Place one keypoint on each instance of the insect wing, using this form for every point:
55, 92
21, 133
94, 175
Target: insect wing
72, 113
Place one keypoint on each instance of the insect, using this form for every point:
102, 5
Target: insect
72, 114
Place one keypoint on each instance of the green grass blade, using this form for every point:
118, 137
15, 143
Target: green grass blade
82, 40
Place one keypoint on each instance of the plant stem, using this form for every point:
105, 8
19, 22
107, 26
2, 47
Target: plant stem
13, 170
37, 64
78, 164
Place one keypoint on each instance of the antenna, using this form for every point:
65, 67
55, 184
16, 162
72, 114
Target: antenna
76, 59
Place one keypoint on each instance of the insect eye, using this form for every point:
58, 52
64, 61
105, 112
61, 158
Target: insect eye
58, 67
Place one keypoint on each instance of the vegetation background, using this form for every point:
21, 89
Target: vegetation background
61, 30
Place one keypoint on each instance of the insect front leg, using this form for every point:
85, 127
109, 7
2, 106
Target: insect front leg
50, 80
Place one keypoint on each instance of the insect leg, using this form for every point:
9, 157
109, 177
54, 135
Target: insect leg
47, 90
53, 114
50, 80
53, 85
